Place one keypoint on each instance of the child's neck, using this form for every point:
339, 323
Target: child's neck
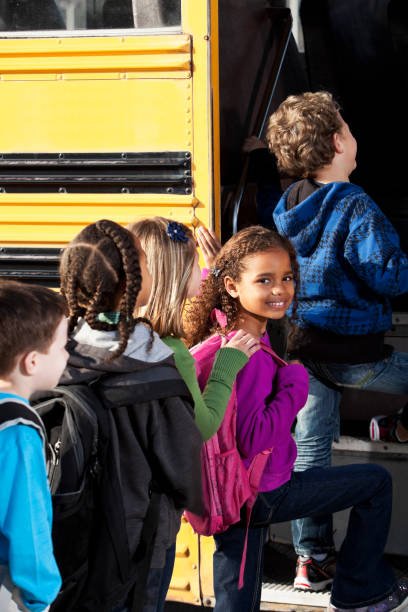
251, 323
335, 172
13, 387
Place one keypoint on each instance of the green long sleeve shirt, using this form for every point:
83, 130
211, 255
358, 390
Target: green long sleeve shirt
210, 405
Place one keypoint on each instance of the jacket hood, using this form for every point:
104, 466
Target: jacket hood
302, 221
89, 349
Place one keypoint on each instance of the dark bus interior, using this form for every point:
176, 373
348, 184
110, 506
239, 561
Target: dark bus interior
356, 49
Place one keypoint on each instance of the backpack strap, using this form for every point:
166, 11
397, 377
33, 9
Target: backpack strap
15, 412
255, 471
281, 362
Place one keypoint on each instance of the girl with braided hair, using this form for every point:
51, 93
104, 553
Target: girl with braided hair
172, 259
105, 279
254, 279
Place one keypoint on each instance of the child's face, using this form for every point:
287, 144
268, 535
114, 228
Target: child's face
195, 279
146, 288
266, 288
50, 365
349, 144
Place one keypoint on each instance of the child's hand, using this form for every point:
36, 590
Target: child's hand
245, 342
209, 244
252, 143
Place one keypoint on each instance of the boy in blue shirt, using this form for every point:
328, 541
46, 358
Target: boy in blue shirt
350, 265
33, 332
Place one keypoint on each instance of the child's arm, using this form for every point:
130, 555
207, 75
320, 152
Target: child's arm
210, 406
373, 250
211, 403
26, 517
262, 425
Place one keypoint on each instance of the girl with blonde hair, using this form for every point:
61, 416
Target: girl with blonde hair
172, 259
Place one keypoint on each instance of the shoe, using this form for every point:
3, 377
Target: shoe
312, 575
397, 602
384, 428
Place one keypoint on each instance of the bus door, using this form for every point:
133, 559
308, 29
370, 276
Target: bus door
108, 109
357, 49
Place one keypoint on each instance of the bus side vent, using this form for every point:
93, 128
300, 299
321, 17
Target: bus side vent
33, 265
163, 172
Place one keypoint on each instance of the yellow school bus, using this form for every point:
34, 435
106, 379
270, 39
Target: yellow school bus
108, 109
129, 108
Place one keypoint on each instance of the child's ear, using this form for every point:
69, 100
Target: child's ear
231, 286
28, 363
338, 145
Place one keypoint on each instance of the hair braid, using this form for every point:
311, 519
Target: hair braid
100, 266
75, 311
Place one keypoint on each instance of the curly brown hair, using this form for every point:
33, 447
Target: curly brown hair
199, 323
99, 267
300, 133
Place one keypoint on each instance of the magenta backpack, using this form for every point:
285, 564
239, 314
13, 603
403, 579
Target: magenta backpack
227, 484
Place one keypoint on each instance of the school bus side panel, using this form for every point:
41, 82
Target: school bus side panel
101, 95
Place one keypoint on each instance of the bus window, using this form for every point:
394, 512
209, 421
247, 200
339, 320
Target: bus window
71, 15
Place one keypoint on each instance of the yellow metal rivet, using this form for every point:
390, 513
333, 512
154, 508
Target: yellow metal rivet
123, 39
188, 120
188, 143
188, 132
188, 110
189, 75
59, 41
194, 566
60, 77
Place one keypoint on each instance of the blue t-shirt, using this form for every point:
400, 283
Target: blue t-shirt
26, 514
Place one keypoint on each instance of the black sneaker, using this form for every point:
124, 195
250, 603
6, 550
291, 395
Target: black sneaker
312, 575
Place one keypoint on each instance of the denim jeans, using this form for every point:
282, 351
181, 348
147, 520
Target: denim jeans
122, 607
318, 424
362, 575
158, 583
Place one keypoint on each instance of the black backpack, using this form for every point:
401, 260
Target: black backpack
89, 533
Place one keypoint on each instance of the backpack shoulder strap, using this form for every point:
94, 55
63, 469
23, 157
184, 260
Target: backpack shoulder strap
281, 362
14, 412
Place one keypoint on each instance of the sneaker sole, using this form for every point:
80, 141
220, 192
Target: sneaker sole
403, 606
312, 586
400, 608
375, 428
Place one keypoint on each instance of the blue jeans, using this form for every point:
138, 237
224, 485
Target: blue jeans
318, 424
158, 583
362, 575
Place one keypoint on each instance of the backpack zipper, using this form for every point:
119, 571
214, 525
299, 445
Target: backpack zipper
55, 453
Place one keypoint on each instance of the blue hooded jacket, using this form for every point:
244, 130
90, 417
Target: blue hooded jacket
349, 258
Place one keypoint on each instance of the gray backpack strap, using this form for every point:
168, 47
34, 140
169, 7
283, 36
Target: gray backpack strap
15, 412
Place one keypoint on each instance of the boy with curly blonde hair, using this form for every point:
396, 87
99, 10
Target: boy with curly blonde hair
350, 265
